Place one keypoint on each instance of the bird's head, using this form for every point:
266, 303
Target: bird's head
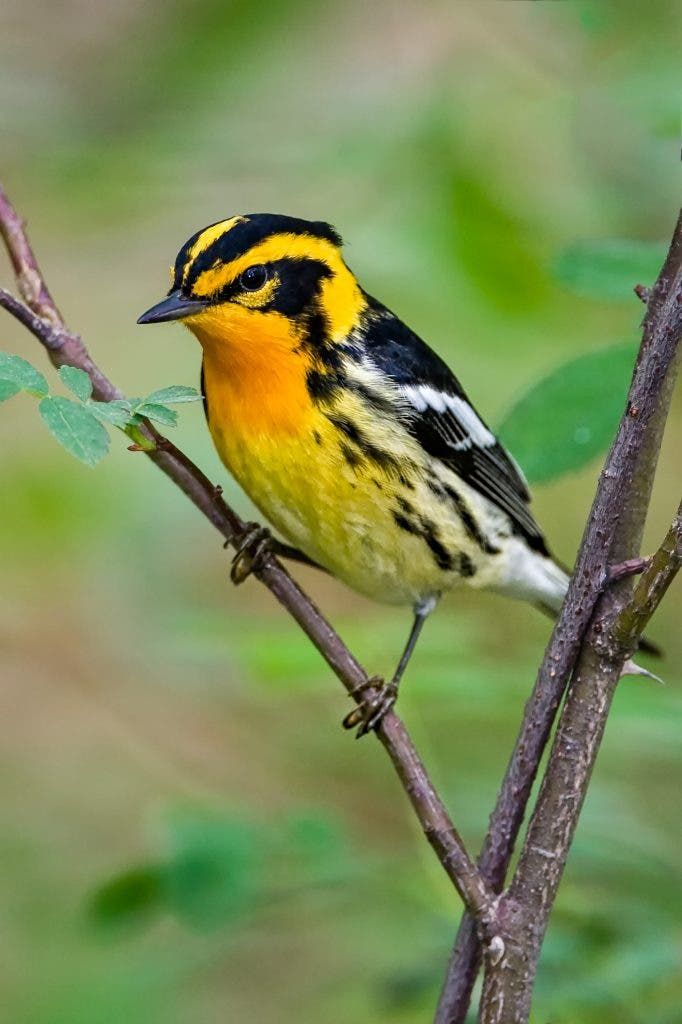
261, 275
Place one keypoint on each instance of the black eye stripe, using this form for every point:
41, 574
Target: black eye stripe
297, 281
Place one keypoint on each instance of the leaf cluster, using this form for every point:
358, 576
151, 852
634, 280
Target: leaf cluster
79, 423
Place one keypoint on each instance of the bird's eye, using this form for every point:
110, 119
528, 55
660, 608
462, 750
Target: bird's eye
254, 278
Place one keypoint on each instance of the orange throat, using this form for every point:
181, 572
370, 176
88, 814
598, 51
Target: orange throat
254, 375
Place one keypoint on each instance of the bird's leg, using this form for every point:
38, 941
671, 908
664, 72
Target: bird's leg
369, 713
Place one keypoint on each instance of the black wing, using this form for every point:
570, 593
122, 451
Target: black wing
444, 422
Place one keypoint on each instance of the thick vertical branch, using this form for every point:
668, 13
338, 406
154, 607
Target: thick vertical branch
613, 532
611, 640
617, 624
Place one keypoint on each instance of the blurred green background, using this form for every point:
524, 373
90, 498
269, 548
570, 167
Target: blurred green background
186, 832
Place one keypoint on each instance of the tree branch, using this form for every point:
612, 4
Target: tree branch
610, 642
41, 316
651, 588
617, 513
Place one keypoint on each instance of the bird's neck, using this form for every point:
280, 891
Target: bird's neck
254, 374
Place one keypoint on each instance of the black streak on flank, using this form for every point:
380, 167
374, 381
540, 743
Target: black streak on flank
371, 397
404, 523
428, 533
316, 438
468, 521
404, 505
370, 451
435, 486
352, 457
466, 566
438, 550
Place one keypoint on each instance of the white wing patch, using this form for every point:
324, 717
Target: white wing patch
422, 397
478, 432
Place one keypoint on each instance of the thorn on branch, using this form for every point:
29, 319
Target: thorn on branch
642, 292
631, 668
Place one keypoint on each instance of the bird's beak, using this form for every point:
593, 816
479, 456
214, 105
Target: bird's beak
174, 307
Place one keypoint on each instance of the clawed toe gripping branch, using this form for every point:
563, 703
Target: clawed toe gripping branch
596, 633
250, 551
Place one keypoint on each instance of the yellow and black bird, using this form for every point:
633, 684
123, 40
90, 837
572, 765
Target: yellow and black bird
349, 433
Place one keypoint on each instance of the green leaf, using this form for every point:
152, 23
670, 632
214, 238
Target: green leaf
160, 413
75, 428
20, 372
7, 389
609, 269
173, 395
119, 412
130, 898
77, 381
570, 416
214, 873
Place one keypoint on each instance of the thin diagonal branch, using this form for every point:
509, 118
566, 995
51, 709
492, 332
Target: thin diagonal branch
31, 282
41, 316
617, 513
651, 588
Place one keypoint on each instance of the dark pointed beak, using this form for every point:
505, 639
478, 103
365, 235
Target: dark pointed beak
175, 307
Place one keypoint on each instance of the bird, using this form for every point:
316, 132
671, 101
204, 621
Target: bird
351, 435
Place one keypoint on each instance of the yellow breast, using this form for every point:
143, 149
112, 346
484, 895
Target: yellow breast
298, 469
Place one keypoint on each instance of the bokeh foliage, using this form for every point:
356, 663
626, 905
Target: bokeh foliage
187, 833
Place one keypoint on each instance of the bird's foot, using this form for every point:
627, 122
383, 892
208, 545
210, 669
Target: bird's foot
369, 713
250, 552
